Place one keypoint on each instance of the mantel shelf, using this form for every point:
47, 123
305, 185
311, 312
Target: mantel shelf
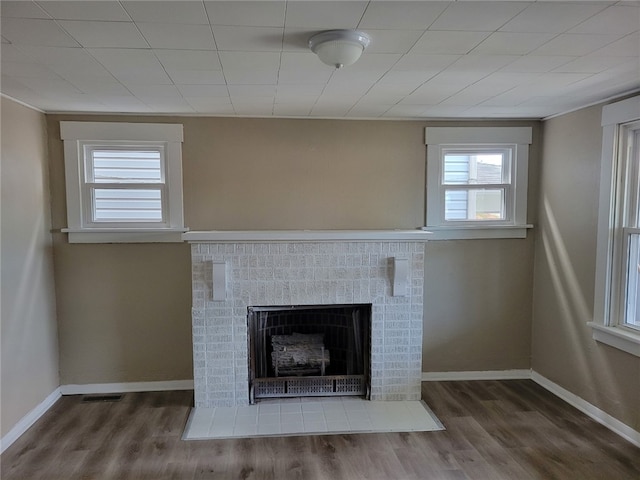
237, 236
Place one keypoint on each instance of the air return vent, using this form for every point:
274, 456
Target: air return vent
102, 398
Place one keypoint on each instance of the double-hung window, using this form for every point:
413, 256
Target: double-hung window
124, 181
125, 184
617, 302
477, 181
629, 230
477, 184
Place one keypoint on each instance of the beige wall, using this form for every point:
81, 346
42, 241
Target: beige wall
478, 305
302, 174
28, 321
282, 174
563, 350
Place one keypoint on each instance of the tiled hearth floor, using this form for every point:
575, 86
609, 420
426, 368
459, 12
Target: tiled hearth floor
310, 416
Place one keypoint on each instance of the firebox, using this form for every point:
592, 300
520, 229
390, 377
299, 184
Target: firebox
309, 350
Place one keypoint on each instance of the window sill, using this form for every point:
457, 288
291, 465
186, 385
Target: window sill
121, 235
477, 232
617, 337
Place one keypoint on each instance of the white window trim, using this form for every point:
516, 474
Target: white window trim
76, 134
437, 138
606, 329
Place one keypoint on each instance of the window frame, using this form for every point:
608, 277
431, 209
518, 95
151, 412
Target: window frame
516, 141
82, 137
612, 241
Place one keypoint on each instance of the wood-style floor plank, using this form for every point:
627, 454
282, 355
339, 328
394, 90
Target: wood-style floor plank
513, 430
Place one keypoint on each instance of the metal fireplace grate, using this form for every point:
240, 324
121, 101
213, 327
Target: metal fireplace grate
309, 386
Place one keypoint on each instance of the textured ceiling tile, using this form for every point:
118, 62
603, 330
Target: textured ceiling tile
167, 12
188, 59
615, 19
248, 39
20, 31
177, 36
449, 43
74, 10
324, 15
21, 9
401, 15
246, 13
552, 17
477, 16
105, 34
507, 43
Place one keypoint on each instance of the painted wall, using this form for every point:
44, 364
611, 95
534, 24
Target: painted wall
124, 310
478, 305
562, 347
29, 353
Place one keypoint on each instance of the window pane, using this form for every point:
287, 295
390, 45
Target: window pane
634, 161
632, 312
126, 166
128, 205
456, 169
456, 205
475, 169
474, 204
630, 233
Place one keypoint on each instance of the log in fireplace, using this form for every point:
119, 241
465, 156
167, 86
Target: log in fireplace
309, 350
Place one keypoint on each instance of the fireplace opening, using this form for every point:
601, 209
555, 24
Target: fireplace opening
310, 350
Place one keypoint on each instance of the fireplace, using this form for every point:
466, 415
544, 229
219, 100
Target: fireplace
309, 351
235, 271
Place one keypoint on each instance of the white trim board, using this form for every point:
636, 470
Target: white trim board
92, 388
29, 419
523, 374
600, 416
236, 236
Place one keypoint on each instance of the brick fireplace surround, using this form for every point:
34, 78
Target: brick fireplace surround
275, 268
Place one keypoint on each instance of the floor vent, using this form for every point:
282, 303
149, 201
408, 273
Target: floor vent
102, 398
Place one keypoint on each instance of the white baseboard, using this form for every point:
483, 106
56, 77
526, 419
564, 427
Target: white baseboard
29, 419
523, 374
613, 424
93, 388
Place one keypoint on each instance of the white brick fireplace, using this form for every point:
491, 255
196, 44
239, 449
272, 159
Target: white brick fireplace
304, 268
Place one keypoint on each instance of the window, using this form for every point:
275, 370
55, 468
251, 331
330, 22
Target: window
477, 181
124, 181
629, 230
617, 302
124, 184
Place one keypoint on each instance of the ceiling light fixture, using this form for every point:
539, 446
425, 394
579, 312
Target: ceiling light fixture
339, 48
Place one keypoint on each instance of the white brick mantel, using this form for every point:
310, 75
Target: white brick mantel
271, 268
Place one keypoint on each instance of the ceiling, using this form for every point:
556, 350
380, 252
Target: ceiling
440, 59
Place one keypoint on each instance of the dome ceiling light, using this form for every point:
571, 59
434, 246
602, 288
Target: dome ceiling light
339, 48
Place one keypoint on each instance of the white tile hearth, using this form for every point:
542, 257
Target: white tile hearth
310, 416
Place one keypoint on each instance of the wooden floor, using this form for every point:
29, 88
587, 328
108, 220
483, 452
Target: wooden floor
511, 430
